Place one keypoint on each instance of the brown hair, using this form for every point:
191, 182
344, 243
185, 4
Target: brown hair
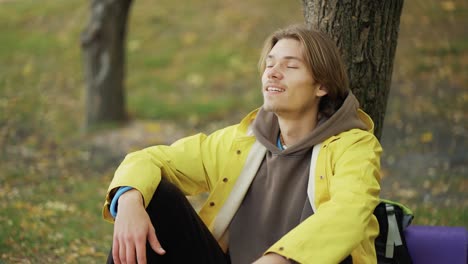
323, 60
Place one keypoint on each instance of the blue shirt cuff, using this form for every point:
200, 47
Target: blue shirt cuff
115, 200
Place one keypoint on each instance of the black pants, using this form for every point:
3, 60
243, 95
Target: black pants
180, 231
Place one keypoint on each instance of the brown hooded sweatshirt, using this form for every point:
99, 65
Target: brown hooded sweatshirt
277, 199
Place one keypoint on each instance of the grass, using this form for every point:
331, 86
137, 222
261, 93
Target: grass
194, 57
194, 64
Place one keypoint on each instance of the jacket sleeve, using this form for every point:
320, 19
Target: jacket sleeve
339, 225
189, 163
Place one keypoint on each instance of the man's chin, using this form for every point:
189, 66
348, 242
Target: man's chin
272, 108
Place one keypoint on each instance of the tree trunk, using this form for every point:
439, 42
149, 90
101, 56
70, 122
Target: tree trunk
366, 32
103, 45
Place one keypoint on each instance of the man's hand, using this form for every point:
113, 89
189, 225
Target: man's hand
272, 258
132, 229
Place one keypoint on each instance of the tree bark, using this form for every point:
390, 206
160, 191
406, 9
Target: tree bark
366, 32
103, 47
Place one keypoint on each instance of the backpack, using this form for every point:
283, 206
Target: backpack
390, 244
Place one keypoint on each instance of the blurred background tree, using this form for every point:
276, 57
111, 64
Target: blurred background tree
103, 43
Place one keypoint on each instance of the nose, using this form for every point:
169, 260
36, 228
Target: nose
274, 72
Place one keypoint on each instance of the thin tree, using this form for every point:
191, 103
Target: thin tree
103, 46
366, 32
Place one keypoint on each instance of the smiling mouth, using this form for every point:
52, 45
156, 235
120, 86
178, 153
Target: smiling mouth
275, 89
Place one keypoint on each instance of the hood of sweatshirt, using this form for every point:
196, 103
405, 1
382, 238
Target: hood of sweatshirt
266, 127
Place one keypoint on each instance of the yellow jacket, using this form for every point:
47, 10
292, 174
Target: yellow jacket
343, 187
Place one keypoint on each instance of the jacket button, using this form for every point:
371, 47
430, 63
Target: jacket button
281, 248
225, 180
321, 177
238, 152
212, 204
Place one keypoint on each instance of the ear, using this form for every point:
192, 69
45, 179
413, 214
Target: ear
321, 91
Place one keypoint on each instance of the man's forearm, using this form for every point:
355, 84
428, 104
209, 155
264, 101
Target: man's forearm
132, 196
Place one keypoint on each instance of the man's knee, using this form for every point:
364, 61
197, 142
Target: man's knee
167, 198
168, 191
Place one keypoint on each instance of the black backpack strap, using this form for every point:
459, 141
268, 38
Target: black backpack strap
390, 244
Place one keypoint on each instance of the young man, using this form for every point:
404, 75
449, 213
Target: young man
296, 181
